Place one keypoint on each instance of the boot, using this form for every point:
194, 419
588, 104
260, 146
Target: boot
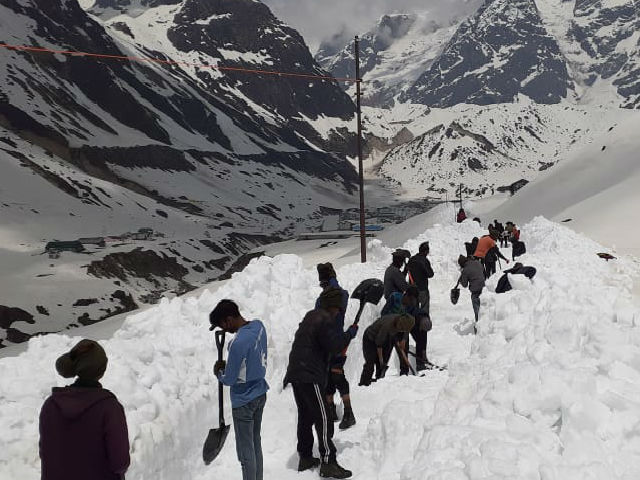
307, 463
333, 470
420, 365
348, 420
333, 414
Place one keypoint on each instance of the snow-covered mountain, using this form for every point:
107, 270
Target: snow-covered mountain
216, 161
548, 76
392, 55
502, 51
600, 40
488, 147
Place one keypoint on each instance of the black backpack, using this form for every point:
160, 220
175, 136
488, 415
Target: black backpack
503, 284
518, 248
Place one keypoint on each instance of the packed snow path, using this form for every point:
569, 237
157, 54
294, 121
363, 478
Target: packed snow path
548, 389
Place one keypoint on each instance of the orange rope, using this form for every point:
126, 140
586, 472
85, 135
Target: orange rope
27, 48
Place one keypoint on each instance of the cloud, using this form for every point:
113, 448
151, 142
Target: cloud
320, 20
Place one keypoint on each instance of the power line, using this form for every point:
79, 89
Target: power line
307, 76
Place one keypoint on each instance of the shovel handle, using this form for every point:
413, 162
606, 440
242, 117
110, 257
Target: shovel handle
220, 345
220, 342
357, 319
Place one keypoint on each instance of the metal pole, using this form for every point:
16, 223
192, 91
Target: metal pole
363, 240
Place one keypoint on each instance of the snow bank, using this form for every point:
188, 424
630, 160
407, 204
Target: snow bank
596, 187
549, 389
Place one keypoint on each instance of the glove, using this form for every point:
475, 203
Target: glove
353, 331
219, 366
381, 372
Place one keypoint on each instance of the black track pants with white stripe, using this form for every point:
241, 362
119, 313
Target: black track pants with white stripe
312, 412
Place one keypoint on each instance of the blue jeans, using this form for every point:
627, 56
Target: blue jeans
247, 421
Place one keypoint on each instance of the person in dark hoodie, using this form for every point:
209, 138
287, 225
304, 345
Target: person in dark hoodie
420, 271
314, 343
472, 276
83, 429
337, 380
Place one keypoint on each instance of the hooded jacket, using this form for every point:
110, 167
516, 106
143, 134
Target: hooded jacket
83, 434
394, 281
472, 276
421, 271
315, 342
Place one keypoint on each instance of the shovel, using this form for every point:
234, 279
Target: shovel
217, 436
369, 291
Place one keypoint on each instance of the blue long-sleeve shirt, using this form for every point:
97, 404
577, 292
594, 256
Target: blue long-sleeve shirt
246, 364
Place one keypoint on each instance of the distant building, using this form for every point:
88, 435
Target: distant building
368, 228
141, 236
99, 241
64, 246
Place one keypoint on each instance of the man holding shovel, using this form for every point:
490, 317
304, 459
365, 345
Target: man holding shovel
244, 372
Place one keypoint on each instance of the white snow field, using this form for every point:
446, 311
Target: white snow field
549, 389
596, 187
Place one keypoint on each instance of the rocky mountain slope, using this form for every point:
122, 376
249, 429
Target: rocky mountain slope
215, 161
549, 75
501, 52
393, 54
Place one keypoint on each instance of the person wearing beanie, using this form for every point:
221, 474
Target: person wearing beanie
395, 275
380, 337
316, 341
244, 371
83, 428
336, 380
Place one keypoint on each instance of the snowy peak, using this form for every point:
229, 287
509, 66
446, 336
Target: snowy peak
608, 31
392, 55
501, 52
245, 34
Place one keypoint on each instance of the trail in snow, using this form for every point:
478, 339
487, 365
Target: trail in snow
549, 389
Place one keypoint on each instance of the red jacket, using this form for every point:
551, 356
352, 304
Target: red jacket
485, 244
516, 233
83, 435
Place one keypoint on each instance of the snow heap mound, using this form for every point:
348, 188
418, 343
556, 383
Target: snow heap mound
549, 389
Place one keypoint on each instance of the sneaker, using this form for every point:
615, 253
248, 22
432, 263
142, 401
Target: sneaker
307, 463
348, 420
333, 414
333, 470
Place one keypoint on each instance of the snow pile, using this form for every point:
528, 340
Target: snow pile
548, 389
595, 189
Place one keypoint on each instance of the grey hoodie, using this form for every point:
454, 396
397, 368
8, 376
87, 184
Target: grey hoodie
472, 276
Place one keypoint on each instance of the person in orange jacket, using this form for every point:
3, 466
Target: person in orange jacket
488, 252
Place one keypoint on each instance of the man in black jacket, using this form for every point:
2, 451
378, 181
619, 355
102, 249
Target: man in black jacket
421, 271
315, 342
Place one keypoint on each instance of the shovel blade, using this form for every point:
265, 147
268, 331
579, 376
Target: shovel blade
369, 290
214, 443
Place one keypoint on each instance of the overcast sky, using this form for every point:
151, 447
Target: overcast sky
317, 20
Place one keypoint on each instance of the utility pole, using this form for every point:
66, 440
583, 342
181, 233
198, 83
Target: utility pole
363, 238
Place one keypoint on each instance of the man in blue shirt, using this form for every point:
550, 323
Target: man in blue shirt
244, 372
